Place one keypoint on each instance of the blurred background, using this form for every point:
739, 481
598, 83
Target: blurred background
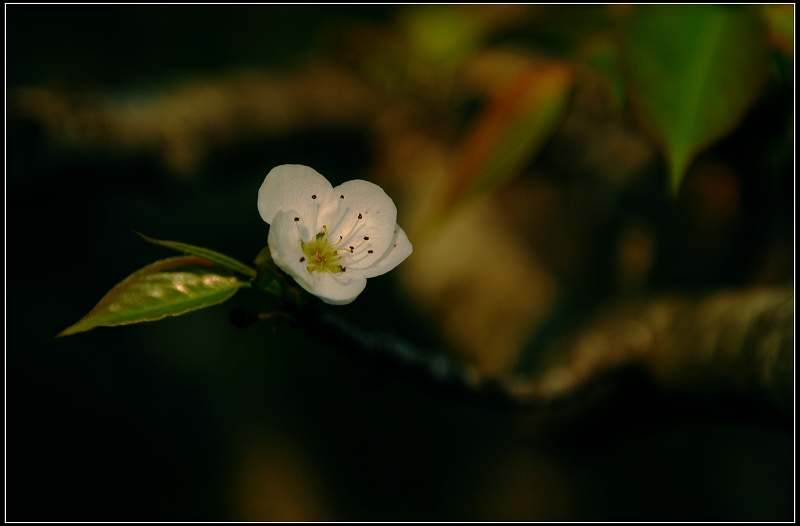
549, 163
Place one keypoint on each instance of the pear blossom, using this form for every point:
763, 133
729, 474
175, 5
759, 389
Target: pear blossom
330, 240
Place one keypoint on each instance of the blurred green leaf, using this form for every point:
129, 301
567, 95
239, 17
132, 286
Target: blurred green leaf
169, 287
442, 34
210, 255
266, 275
516, 123
693, 71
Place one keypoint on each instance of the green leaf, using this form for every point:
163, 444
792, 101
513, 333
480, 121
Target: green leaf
693, 71
266, 276
210, 255
169, 287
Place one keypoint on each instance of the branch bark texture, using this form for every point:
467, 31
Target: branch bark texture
738, 343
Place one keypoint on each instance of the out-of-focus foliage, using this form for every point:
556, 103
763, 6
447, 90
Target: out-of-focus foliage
441, 37
780, 19
519, 118
693, 73
170, 287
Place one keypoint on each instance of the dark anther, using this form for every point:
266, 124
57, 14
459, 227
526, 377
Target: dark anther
343, 268
340, 238
297, 219
351, 250
369, 252
302, 259
395, 246
359, 216
341, 197
366, 238
314, 196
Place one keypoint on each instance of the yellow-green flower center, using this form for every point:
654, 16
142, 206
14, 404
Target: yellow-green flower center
320, 256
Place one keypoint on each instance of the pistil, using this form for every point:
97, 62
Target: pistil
320, 255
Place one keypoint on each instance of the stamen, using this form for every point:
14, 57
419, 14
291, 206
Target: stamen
314, 196
369, 252
351, 250
359, 216
366, 238
341, 197
302, 259
343, 268
297, 219
318, 256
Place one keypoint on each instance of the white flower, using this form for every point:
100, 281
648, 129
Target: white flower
330, 240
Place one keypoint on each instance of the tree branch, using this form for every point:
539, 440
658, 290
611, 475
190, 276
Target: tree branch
725, 343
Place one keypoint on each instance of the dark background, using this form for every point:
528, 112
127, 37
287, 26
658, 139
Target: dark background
191, 419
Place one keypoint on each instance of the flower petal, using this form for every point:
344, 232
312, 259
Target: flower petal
296, 187
365, 218
398, 251
337, 289
285, 247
